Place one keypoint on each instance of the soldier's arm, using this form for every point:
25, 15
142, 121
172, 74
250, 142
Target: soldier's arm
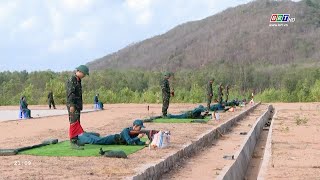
125, 135
138, 142
168, 87
163, 85
71, 88
209, 88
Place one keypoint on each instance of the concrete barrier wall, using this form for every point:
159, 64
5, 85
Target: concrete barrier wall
242, 157
267, 152
155, 171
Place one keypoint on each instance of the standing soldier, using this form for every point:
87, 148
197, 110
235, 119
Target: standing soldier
220, 93
227, 93
50, 100
209, 93
166, 93
74, 105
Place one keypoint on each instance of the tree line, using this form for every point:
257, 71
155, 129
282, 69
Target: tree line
285, 83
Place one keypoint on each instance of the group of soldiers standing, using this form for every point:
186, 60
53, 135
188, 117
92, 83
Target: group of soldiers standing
75, 102
167, 93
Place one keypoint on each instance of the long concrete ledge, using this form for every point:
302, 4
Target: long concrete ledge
46, 116
238, 169
267, 152
156, 170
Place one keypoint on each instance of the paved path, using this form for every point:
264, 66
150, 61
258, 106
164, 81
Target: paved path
6, 115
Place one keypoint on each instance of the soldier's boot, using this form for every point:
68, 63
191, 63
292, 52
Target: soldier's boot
75, 145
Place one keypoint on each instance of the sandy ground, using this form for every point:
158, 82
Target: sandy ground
112, 120
208, 163
295, 148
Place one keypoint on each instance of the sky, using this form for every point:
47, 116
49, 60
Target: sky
61, 34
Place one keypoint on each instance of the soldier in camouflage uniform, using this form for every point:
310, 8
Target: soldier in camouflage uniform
74, 105
50, 100
209, 93
166, 93
197, 113
220, 93
227, 93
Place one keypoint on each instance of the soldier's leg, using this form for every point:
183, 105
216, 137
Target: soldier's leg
87, 138
165, 106
164, 112
209, 99
54, 106
73, 117
28, 113
49, 103
107, 140
179, 116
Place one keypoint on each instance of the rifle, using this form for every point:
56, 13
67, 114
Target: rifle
151, 119
149, 133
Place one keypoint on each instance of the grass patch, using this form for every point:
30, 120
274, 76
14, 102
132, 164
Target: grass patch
300, 121
285, 129
63, 149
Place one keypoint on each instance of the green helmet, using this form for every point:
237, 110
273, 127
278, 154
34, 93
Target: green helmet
167, 74
84, 69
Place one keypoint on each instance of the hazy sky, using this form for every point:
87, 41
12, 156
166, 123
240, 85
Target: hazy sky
61, 34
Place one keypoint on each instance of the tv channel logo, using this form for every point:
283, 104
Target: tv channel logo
281, 18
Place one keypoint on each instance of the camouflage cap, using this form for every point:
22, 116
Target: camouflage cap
84, 69
167, 74
138, 122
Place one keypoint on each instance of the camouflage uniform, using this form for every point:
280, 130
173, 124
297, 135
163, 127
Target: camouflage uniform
209, 94
74, 98
227, 93
194, 114
220, 94
165, 87
50, 100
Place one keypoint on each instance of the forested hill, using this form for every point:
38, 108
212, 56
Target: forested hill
239, 35
236, 47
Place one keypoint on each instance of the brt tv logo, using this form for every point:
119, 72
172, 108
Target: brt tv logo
281, 18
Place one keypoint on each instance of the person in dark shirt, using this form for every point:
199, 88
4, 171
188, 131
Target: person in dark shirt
75, 105
24, 107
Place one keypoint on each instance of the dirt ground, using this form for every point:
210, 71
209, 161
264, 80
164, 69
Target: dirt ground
295, 142
208, 163
112, 120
